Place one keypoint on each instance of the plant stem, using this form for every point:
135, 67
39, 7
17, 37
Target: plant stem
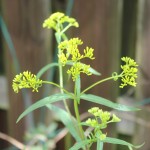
66, 28
62, 91
58, 38
52, 83
100, 81
99, 145
78, 119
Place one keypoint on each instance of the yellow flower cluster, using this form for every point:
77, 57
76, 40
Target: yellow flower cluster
69, 52
78, 68
70, 49
100, 120
26, 80
58, 20
129, 73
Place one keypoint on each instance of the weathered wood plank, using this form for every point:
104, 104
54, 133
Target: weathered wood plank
24, 21
100, 27
143, 53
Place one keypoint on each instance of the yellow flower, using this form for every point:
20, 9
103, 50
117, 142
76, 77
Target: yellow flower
26, 80
102, 136
91, 122
115, 118
77, 69
99, 121
69, 52
129, 72
57, 20
88, 52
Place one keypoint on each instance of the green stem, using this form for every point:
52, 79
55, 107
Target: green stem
62, 91
100, 81
99, 145
78, 119
52, 83
58, 38
66, 28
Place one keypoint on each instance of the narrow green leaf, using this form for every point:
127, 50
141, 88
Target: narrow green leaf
120, 142
108, 103
80, 144
93, 71
45, 68
70, 123
43, 102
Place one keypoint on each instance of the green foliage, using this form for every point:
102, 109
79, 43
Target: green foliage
69, 122
105, 102
42, 136
80, 144
100, 121
44, 102
69, 54
45, 68
121, 142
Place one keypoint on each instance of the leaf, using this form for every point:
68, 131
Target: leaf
93, 71
43, 102
121, 142
66, 120
45, 68
110, 140
80, 144
108, 103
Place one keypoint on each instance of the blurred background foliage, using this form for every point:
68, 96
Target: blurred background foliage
114, 28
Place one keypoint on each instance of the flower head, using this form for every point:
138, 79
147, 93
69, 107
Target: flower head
102, 136
78, 68
129, 72
104, 116
92, 122
26, 80
115, 118
57, 20
100, 120
69, 52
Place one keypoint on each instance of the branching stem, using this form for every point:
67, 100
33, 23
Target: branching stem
100, 81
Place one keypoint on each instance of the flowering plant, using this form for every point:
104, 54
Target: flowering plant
70, 54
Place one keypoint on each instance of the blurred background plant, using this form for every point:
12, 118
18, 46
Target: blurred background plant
42, 137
